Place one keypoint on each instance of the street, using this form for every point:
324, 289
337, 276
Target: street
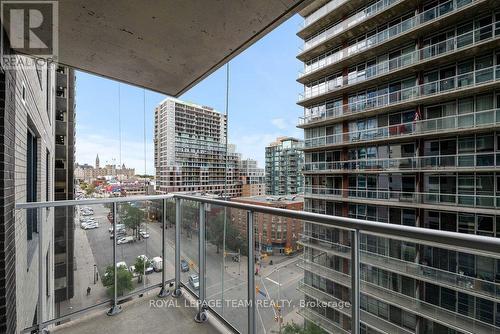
225, 289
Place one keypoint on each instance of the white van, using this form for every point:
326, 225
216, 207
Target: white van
157, 263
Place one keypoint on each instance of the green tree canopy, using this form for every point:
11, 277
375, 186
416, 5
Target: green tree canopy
123, 279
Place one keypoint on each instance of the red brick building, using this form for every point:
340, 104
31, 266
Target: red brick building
274, 235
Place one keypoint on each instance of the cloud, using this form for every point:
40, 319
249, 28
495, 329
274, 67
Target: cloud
280, 123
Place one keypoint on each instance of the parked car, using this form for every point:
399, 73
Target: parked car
120, 234
121, 264
88, 226
184, 265
157, 263
125, 240
118, 227
132, 271
194, 281
144, 234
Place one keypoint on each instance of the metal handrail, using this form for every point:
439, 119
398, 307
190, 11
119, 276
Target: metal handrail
414, 92
450, 45
425, 126
485, 244
434, 162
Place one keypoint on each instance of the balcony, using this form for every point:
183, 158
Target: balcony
436, 126
456, 281
189, 220
361, 20
436, 91
468, 162
420, 307
405, 198
482, 39
426, 22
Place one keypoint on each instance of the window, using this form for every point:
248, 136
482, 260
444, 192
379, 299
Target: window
31, 183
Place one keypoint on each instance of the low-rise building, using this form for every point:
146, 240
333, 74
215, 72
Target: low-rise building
275, 235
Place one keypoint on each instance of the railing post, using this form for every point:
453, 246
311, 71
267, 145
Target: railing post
40, 269
355, 299
164, 292
178, 219
115, 309
251, 274
201, 316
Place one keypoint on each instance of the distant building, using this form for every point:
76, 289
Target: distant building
284, 161
89, 174
275, 235
253, 180
190, 152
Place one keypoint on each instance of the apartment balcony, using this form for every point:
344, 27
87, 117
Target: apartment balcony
423, 23
427, 310
186, 233
366, 318
440, 126
466, 162
455, 281
473, 82
363, 21
432, 200
469, 43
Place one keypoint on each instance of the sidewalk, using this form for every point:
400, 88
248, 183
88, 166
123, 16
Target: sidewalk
84, 276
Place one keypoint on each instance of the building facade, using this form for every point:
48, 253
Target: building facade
64, 185
27, 132
401, 123
273, 235
253, 179
190, 152
284, 161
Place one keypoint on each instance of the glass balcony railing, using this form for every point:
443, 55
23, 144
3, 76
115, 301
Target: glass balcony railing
457, 281
466, 161
348, 23
449, 46
484, 200
322, 11
471, 120
214, 254
385, 35
414, 93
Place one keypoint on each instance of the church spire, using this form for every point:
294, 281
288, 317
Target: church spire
97, 162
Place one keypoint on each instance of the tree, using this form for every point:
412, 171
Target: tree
140, 267
123, 279
215, 233
90, 189
131, 217
293, 328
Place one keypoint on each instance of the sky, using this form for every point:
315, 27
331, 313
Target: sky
262, 105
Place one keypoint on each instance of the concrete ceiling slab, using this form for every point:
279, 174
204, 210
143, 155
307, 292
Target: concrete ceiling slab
163, 45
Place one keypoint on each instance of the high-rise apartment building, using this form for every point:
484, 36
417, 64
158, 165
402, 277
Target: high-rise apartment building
253, 180
64, 185
284, 160
190, 151
401, 116
27, 131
